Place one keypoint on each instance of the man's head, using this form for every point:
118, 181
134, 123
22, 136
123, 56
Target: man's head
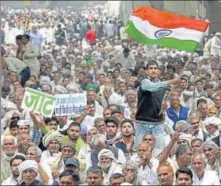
152, 69
9, 145
68, 150
198, 164
202, 107
23, 127
122, 87
25, 39
184, 176
126, 52
105, 158
217, 101
111, 127
149, 139
52, 141
183, 82
72, 164
98, 141
118, 115
34, 28
130, 169
183, 154
91, 132
195, 123
116, 179
91, 95
131, 96
69, 178
91, 107
144, 150
199, 85
212, 124
95, 176
18, 39
34, 153
46, 88
100, 125
175, 101
28, 171
107, 113
208, 149
165, 174
14, 163
52, 123
196, 145
73, 131
127, 128
13, 127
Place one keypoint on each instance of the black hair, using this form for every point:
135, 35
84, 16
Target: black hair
112, 120
152, 62
90, 102
116, 176
13, 124
17, 157
201, 100
26, 36
116, 112
171, 67
75, 124
95, 169
184, 170
196, 139
127, 121
47, 120
199, 80
74, 175
18, 37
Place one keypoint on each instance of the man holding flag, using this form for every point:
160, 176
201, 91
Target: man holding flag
150, 26
150, 95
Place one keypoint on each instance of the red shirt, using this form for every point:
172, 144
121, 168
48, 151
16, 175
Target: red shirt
91, 36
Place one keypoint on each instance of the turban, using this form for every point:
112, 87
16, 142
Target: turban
212, 121
61, 89
68, 144
210, 144
52, 135
10, 106
45, 80
186, 137
27, 164
130, 92
106, 153
183, 125
188, 93
72, 87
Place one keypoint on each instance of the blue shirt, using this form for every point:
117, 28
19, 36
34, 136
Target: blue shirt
36, 39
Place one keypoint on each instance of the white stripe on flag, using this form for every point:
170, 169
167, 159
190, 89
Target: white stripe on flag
149, 30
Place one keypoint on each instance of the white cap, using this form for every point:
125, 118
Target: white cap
212, 121
23, 122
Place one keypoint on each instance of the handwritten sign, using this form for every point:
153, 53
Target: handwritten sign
39, 102
70, 104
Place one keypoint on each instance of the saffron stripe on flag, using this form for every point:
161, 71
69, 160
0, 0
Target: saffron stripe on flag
169, 20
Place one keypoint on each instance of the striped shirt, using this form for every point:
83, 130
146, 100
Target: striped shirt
147, 85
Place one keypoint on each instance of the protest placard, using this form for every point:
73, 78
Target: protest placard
39, 102
70, 104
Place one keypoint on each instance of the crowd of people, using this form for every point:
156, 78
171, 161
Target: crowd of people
152, 114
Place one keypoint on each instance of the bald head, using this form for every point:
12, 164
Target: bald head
165, 174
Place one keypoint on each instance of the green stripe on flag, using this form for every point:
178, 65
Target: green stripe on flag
187, 45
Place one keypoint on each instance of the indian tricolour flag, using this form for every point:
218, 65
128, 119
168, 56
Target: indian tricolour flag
150, 26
